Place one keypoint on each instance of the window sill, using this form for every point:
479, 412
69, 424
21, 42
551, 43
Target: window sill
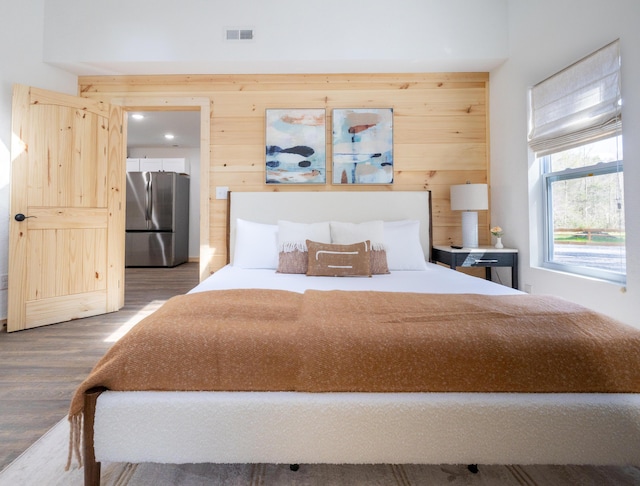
593, 277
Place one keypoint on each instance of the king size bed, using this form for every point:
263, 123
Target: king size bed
395, 361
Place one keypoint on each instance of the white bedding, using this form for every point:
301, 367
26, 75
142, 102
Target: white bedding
435, 279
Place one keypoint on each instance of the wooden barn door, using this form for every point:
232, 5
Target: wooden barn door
66, 235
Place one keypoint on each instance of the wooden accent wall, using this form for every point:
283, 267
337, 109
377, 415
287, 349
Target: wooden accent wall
441, 132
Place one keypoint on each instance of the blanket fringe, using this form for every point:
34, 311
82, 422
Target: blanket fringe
291, 246
75, 440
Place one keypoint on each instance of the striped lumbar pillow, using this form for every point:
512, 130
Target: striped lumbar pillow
331, 260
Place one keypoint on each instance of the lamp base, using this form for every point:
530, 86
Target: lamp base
470, 229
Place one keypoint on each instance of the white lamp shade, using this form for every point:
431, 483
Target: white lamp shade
469, 197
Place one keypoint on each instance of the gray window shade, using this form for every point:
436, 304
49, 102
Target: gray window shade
579, 104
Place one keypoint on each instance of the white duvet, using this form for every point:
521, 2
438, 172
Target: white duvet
435, 279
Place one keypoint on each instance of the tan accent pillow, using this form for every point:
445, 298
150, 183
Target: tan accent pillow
295, 261
379, 262
330, 260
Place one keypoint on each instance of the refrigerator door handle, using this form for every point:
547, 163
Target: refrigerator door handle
148, 198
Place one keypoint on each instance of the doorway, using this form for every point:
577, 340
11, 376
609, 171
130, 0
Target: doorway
167, 141
177, 111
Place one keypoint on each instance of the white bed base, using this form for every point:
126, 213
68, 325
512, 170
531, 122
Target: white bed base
274, 427
363, 428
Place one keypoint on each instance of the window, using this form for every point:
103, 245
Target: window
584, 210
576, 133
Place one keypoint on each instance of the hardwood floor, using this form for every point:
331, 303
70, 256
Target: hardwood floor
40, 368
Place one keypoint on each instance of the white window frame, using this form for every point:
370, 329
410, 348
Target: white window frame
548, 178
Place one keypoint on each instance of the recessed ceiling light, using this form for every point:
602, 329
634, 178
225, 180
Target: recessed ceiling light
137, 116
169, 136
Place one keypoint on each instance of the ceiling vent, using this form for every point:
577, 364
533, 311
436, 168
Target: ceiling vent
239, 34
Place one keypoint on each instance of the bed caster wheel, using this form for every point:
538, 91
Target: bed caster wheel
473, 468
294, 467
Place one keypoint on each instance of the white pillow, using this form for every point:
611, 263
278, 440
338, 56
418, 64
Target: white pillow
293, 236
402, 242
256, 245
350, 233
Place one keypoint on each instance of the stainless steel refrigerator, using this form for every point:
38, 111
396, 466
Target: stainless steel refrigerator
157, 219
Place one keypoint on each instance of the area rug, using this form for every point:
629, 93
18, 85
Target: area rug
43, 465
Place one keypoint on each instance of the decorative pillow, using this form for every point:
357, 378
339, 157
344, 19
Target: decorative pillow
349, 233
256, 245
402, 242
292, 246
295, 261
331, 260
379, 264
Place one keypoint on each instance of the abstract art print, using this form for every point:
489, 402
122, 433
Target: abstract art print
296, 146
363, 146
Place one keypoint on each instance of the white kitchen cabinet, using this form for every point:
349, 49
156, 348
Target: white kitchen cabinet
152, 164
133, 165
178, 165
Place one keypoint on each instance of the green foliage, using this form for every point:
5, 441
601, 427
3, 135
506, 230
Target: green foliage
591, 201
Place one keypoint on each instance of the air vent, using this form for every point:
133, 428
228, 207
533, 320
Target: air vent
239, 34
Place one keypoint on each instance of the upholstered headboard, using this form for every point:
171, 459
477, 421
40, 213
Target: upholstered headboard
313, 207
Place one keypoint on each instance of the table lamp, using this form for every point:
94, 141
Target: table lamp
469, 198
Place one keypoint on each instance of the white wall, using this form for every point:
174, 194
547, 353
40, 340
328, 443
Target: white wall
21, 62
544, 37
310, 36
193, 159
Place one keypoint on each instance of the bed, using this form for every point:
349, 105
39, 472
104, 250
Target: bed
291, 424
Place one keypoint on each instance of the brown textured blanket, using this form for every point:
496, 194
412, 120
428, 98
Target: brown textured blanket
323, 341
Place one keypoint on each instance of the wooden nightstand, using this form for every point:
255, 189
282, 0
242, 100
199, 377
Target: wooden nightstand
484, 256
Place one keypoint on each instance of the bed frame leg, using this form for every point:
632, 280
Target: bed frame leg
91, 467
473, 468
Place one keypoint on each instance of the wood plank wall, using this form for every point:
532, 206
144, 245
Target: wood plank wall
441, 131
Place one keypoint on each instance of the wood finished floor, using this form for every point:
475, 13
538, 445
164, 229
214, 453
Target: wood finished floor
40, 368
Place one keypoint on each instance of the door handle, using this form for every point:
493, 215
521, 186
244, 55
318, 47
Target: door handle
147, 198
21, 217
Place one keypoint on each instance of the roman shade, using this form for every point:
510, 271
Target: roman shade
580, 104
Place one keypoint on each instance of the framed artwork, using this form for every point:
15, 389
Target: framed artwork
363, 146
296, 146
